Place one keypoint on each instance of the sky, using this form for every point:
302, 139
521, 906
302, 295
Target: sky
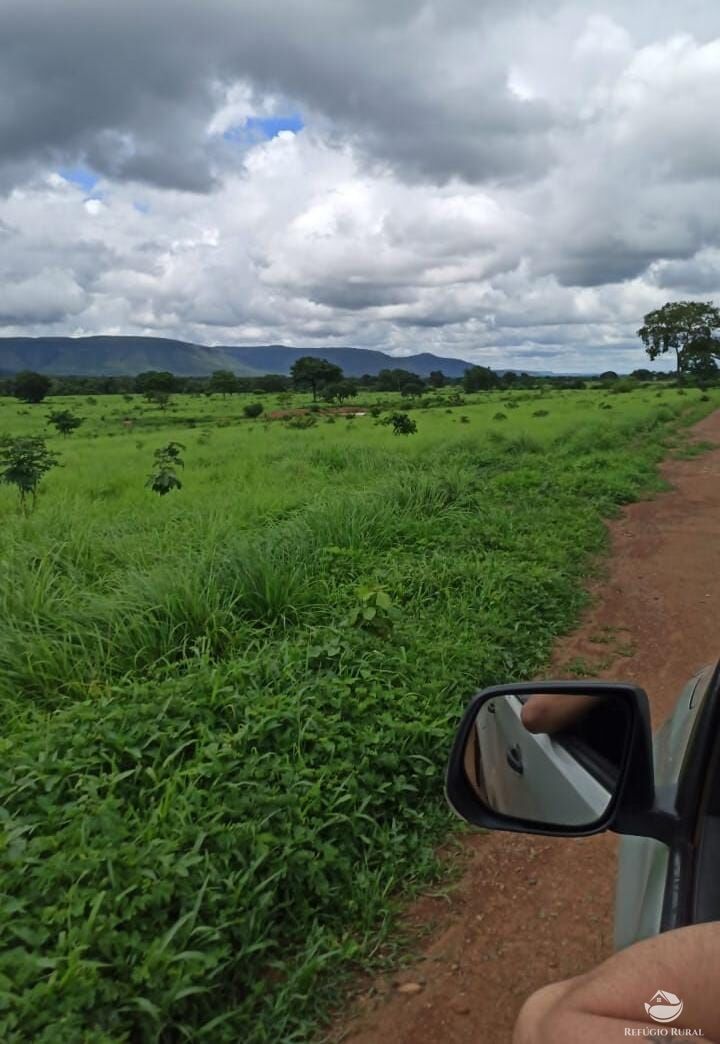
512, 182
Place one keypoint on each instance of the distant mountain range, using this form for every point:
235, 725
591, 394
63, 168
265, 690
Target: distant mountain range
127, 356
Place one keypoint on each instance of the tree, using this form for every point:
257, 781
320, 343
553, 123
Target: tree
393, 380
64, 421
412, 386
164, 477
479, 378
642, 374
677, 326
436, 379
23, 462
701, 365
308, 372
339, 391
156, 386
401, 424
30, 386
224, 382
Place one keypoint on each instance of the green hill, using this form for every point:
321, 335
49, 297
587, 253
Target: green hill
121, 356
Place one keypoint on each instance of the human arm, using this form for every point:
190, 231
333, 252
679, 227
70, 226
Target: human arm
598, 1007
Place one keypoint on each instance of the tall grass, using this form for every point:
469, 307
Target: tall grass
216, 777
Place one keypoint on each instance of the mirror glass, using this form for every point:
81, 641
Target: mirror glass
553, 758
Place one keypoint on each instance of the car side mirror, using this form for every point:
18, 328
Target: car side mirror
566, 758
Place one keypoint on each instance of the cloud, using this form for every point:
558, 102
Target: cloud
490, 181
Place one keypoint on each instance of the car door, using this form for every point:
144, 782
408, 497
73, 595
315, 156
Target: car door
662, 886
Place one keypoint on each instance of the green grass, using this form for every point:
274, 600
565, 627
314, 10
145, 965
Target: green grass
220, 773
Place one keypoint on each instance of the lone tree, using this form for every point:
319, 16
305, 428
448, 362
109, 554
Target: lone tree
64, 421
164, 477
224, 382
23, 462
30, 386
308, 372
686, 327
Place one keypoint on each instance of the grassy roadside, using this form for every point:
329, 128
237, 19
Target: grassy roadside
226, 760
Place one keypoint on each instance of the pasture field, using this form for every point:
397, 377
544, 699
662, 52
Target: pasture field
227, 710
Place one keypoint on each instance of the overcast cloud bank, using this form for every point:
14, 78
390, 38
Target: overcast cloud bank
510, 186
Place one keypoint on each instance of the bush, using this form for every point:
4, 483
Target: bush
500, 416
253, 409
303, 420
401, 424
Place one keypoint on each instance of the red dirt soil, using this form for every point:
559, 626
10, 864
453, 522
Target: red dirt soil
531, 910
343, 411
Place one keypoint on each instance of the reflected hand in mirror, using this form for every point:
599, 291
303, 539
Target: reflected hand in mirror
552, 758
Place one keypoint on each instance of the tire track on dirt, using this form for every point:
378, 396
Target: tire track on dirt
530, 910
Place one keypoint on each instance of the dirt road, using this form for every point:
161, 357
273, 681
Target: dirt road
531, 910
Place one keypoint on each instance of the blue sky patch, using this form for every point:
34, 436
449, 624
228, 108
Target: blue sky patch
82, 176
262, 128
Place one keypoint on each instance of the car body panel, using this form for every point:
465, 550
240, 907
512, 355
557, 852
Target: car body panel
644, 863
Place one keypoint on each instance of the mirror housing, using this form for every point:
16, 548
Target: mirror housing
631, 807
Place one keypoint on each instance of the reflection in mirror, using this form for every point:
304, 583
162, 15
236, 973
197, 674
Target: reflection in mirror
553, 758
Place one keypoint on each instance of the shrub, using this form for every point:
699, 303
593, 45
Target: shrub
64, 421
164, 477
401, 424
500, 416
253, 409
23, 462
303, 420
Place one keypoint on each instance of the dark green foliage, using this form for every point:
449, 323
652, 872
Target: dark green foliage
30, 386
315, 374
164, 476
65, 421
224, 382
412, 386
23, 462
393, 380
253, 409
540, 413
339, 391
685, 327
701, 366
500, 416
401, 424
156, 386
480, 378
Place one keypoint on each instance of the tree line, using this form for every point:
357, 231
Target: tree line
686, 328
